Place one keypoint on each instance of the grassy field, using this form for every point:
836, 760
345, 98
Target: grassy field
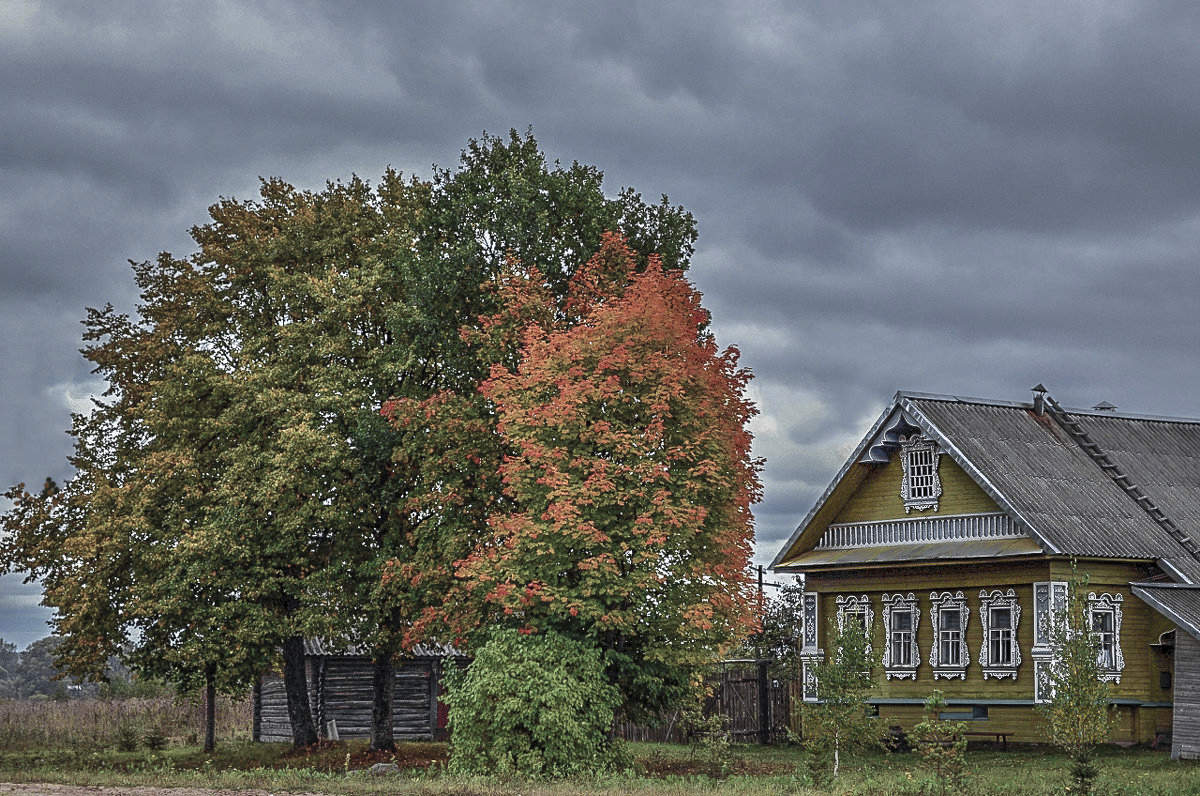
658, 769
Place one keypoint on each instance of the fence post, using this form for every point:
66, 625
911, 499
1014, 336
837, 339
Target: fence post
764, 704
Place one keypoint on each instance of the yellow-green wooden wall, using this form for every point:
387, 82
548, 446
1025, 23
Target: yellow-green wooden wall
878, 497
1140, 627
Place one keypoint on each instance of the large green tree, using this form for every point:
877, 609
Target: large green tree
237, 487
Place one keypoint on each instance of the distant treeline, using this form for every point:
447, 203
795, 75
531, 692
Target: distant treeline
31, 674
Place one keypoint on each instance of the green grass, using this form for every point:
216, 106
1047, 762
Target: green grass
659, 769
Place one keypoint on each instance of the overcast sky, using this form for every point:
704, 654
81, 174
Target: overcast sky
949, 197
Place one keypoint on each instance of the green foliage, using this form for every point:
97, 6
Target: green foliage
127, 737
942, 745
778, 640
1079, 716
839, 721
154, 738
706, 729
532, 705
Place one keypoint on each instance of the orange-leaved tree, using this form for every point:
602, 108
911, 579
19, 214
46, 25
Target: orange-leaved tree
628, 476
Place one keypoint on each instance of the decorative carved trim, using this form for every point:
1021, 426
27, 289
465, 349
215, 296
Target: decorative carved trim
1049, 601
919, 491
949, 602
1109, 603
893, 605
856, 604
811, 621
920, 530
988, 601
808, 676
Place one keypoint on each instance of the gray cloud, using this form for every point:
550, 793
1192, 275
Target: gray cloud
957, 197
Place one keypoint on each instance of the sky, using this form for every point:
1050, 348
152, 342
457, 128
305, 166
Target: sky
958, 197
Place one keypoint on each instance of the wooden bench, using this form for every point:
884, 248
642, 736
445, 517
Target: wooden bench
997, 737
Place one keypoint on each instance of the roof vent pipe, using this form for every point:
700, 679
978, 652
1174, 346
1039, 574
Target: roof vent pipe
1039, 400
1105, 406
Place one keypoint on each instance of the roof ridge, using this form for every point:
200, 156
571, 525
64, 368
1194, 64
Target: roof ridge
968, 399
1114, 473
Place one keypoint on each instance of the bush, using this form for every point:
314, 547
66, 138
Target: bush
127, 737
535, 705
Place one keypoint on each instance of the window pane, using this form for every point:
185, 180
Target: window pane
949, 619
1001, 618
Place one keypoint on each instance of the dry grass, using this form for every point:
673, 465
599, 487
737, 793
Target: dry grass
97, 723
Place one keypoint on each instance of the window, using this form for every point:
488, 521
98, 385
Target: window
920, 486
1000, 613
949, 615
901, 616
901, 639
1104, 623
856, 608
949, 636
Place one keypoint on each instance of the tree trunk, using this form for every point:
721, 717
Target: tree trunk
836, 759
295, 684
382, 738
210, 707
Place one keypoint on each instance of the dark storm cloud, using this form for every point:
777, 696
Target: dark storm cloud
954, 197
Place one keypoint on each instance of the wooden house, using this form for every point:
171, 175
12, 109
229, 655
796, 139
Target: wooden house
341, 695
952, 529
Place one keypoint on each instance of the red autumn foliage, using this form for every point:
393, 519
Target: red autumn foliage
628, 471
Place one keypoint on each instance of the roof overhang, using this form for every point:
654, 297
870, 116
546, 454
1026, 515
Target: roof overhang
1179, 602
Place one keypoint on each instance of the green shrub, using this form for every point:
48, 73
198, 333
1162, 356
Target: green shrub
534, 705
154, 739
127, 737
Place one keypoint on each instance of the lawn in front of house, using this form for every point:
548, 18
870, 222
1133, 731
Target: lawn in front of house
341, 767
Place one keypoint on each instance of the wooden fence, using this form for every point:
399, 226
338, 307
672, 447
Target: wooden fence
757, 708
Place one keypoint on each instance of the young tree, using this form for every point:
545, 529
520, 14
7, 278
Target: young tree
942, 744
839, 720
628, 475
1078, 716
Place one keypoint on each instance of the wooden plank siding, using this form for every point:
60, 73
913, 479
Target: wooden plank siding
878, 497
1185, 738
340, 689
1140, 685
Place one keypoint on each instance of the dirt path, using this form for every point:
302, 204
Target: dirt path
36, 789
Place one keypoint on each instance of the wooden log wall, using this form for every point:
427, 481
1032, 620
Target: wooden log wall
340, 689
1185, 734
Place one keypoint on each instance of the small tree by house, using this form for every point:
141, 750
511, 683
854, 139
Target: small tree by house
942, 745
1078, 715
839, 721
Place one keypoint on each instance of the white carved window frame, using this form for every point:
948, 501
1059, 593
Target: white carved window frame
945, 601
856, 604
1110, 604
988, 602
893, 605
917, 491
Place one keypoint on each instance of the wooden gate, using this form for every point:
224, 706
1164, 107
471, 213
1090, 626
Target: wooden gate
756, 707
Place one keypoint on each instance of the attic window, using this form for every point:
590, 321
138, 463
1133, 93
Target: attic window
920, 486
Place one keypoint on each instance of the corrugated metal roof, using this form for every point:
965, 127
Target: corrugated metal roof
1065, 496
1177, 602
931, 551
